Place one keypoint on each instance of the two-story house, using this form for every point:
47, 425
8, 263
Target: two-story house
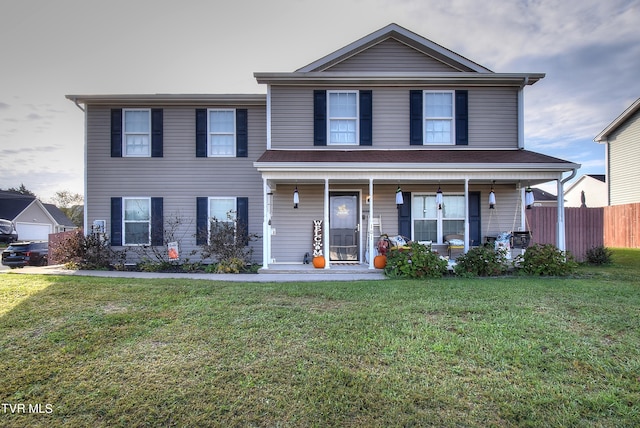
391, 134
622, 140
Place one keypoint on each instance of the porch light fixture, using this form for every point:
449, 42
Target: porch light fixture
492, 198
399, 198
528, 198
439, 198
296, 198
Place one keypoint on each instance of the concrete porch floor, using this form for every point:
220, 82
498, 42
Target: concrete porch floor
308, 269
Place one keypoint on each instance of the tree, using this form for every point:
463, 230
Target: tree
71, 204
22, 190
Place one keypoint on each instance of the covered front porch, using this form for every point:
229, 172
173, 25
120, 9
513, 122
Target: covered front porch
340, 210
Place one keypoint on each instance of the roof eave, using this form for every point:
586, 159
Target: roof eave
399, 79
603, 136
171, 99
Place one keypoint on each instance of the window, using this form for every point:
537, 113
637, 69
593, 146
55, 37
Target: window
137, 132
343, 117
222, 209
136, 221
438, 117
432, 224
222, 133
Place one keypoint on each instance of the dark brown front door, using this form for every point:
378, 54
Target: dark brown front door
344, 226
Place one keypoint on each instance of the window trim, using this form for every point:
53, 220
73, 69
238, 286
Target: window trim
149, 133
125, 221
209, 217
440, 218
210, 133
356, 117
452, 118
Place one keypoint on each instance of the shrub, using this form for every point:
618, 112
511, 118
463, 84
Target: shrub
417, 261
228, 244
87, 252
481, 261
546, 260
599, 256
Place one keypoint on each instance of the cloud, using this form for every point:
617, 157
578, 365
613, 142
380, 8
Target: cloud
4, 106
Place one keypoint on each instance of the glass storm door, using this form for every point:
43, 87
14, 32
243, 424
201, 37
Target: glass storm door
344, 227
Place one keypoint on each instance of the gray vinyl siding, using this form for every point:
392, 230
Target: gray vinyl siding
624, 158
178, 177
389, 56
493, 118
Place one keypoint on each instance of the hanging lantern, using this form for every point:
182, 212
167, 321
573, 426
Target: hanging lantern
296, 198
492, 199
399, 198
528, 198
439, 198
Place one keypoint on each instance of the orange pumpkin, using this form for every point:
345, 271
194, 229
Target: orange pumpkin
379, 262
318, 262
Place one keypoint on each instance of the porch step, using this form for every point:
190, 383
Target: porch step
335, 269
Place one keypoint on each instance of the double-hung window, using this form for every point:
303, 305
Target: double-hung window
439, 111
342, 117
137, 132
222, 209
137, 221
432, 224
221, 132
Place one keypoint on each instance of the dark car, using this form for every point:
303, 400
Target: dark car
8, 231
21, 254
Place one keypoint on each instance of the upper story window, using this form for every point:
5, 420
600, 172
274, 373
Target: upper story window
137, 132
438, 117
137, 221
222, 133
343, 117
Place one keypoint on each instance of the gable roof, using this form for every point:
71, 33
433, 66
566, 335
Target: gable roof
60, 217
630, 111
455, 69
12, 204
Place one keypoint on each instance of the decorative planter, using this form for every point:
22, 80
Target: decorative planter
379, 262
318, 262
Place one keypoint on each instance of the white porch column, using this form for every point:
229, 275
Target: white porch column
523, 212
466, 215
325, 228
370, 242
560, 232
266, 230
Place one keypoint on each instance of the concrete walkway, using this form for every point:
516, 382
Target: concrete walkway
277, 276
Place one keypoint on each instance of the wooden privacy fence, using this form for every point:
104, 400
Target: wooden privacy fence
584, 228
621, 226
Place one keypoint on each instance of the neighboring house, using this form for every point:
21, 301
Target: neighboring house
622, 139
543, 198
352, 145
33, 219
588, 191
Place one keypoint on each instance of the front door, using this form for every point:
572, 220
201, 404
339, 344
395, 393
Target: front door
344, 226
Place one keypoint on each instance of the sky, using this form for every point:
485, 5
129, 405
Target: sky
589, 50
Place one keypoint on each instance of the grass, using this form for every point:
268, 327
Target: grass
452, 352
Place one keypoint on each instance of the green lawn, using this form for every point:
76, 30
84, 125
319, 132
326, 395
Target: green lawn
77, 351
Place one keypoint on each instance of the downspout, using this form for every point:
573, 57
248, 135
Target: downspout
560, 231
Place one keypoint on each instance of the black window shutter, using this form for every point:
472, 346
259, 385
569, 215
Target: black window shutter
242, 134
415, 118
157, 222
319, 118
404, 216
156, 133
201, 133
366, 118
116, 133
116, 222
462, 118
242, 208
202, 220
